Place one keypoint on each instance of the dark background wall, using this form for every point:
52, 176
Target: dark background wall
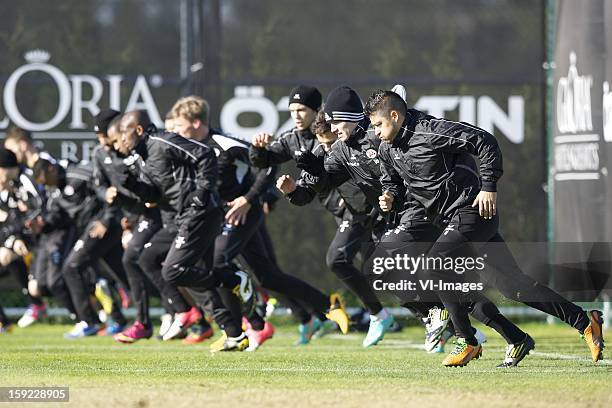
442, 47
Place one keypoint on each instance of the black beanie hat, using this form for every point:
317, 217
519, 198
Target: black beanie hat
306, 95
104, 118
343, 104
7, 158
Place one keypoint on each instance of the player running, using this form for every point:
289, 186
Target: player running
304, 103
98, 245
177, 173
356, 220
241, 187
424, 153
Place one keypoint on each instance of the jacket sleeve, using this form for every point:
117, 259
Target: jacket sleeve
204, 160
277, 152
264, 177
390, 179
129, 202
335, 173
304, 192
110, 213
128, 175
55, 218
270, 197
30, 195
100, 179
460, 137
133, 179
10, 230
101, 183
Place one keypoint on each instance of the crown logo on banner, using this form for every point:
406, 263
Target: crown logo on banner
37, 56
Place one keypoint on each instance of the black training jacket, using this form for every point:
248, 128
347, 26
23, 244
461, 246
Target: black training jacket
346, 197
435, 159
175, 172
74, 201
287, 147
108, 170
357, 159
290, 146
237, 177
17, 204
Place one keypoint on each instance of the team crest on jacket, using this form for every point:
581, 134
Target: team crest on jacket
371, 153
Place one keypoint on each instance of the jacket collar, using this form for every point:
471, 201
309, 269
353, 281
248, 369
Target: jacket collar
61, 177
304, 134
406, 131
141, 147
359, 134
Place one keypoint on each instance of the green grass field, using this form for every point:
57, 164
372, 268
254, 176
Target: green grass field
332, 371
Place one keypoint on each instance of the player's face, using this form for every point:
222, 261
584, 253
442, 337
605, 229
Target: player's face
48, 177
343, 130
302, 115
119, 146
19, 148
129, 136
7, 175
327, 138
385, 127
169, 125
185, 128
103, 139
114, 139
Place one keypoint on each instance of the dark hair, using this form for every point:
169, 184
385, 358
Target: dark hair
384, 102
41, 166
140, 118
18, 134
7, 158
143, 119
320, 125
115, 123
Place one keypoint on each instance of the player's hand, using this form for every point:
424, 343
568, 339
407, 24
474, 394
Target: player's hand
20, 248
237, 213
385, 201
261, 139
126, 237
150, 205
23, 207
266, 208
125, 224
6, 256
486, 201
111, 195
286, 184
35, 224
33, 288
97, 230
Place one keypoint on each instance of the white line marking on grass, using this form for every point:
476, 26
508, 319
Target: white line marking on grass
559, 356
313, 370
